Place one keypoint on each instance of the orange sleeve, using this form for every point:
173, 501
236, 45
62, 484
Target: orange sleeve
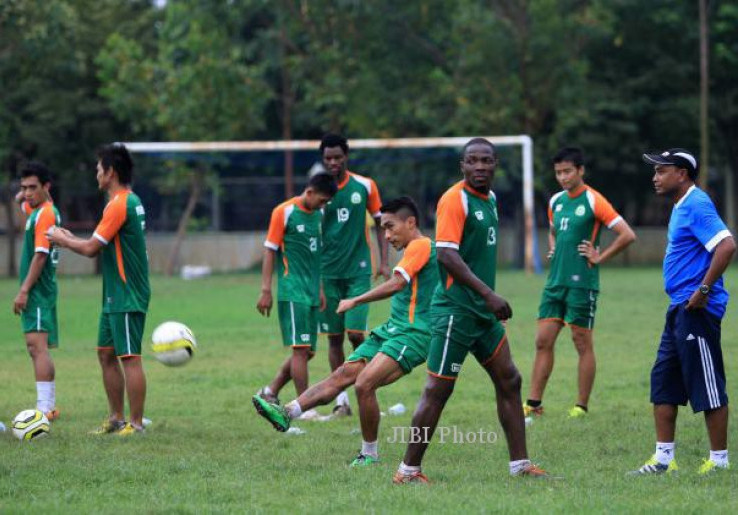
450, 219
26, 208
415, 258
275, 236
604, 212
550, 215
114, 216
45, 220
373, 203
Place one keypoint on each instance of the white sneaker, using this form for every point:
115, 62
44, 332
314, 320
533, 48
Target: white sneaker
310, 414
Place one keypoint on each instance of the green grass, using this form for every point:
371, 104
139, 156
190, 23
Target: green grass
208, 451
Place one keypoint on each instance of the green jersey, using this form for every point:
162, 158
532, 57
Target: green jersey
44, 291
125, 263
345, 232
575, 217
295, 235
466, 220
410, 307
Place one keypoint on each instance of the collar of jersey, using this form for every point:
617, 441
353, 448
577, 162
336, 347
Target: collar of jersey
300, 206
345, 181
578, 192
681, 200
474, 192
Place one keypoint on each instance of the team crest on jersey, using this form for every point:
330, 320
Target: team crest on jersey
579, 211
479, 215
355, 198
140, 210
559, 207
301, 228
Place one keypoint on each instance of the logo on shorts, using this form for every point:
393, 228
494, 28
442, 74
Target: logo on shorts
690, 337
305, 337
479, 215
300, 228
579, 211
455, 367
559, 207
575, 278
325, 327
362, 264
356, 198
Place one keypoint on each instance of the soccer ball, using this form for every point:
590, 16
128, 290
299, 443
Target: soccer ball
30, 424
173, 344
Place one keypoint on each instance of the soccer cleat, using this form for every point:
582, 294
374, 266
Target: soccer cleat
709, 467
529, 411
532, 470
274, 413
310, 414
406, 479
577, 412
364, 460
130, 430
53, 414
653, 467
269, 397
109, 426
341, 410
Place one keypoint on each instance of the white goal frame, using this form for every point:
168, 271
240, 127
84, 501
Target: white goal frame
524, 141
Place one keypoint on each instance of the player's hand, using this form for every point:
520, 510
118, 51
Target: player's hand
498, 306
19, 197
589, 251
345, 305
322, 300
384, 271
264, 306
550, 254
696, 301
19, 304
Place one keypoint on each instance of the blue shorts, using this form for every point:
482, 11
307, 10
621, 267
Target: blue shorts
689, 362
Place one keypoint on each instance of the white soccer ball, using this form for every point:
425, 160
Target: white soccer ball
173, 344
30, 424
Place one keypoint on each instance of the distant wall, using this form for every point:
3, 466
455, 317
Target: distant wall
226, 251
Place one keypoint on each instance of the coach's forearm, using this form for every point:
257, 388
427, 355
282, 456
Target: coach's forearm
721, 259
460, 271
267, 268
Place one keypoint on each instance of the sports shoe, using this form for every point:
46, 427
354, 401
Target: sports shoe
52, 415
109, 426
341, 410
577, 411
130, 430
708, 467
269, 397
364, 460
529, 411
532, 470
406, 479
310, 414
274, 413
653, 467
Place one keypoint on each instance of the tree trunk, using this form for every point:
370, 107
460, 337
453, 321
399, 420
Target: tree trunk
704, 97
195, 191
7, 200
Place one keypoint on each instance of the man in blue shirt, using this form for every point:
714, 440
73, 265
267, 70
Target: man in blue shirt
689, 362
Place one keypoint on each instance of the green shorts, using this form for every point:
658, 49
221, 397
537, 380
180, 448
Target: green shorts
122, 332
299, 324
574, 306
41, 320
455, 335
335, 290
408, 351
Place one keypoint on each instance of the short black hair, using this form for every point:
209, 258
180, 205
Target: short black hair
116, 156
331, 140
323, 183
399, 204
479, 141
37, 169
573, 155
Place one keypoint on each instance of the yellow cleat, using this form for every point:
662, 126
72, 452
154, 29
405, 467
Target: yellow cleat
576, 412
653, 467
529, 411
130, 430
709, 466
108, 426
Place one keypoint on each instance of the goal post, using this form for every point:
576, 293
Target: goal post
532, 262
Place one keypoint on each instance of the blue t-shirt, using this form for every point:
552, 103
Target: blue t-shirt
695, 229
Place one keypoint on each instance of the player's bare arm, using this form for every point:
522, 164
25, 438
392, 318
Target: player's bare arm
721, 259
384, 268
625, 236
264, 304
459, 270
34, 272
551, 243
61, 237
383, 291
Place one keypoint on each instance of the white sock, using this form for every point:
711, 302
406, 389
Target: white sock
293, 409
516, 467
369, 448
342, 399
407, 470
664, 452
268, 391
720, 458
45, 396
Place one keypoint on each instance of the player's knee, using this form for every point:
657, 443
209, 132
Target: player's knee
364, 386
510, 380
107, 357
438, 390
544, 344
33, 348
582, 341
356, 339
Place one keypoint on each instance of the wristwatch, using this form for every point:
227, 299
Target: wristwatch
705, 289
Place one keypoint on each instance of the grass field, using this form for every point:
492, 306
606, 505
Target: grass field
207, 450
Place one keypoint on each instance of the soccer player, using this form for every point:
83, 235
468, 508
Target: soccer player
466, 313
346, 260
576, 216
120, 237
36, 299
689, 361
294, 241
392, 349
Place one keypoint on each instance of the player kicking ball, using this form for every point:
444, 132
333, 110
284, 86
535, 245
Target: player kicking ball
392, 349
